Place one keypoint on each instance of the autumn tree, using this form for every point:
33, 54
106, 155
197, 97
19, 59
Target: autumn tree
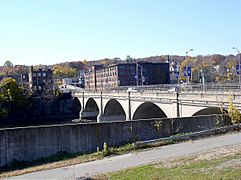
40, 66
105, 61
20, 69
63, 72
233, 112
231, 69
189, 62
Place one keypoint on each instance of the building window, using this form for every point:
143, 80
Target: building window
39, 74
24, 76
44, 74
34, 74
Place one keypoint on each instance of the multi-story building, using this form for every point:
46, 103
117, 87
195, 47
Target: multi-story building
90, 77
41, 81
127, 74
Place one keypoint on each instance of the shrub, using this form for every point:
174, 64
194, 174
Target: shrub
233, 112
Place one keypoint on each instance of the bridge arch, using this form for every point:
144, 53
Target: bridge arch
114, 111
210, 111
91, 109
76, 106
91, 105
148, 110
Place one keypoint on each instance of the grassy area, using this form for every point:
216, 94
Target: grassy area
225, 167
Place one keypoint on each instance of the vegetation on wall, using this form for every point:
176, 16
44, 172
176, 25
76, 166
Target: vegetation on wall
233, 112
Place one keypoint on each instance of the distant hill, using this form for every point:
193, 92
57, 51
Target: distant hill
214, 59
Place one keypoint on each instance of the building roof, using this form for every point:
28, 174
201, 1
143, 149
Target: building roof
140, 62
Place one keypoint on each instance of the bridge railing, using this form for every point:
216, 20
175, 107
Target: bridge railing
170, 88
209, 87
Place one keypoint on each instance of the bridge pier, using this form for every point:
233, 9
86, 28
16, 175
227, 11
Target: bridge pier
88, 115
100, 116
81, 114
128, 117
103, 118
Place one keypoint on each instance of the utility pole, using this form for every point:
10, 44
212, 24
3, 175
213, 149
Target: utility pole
177, 99
137, 76
238, 66
142, 80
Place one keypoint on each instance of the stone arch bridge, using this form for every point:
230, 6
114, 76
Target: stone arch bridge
125, 106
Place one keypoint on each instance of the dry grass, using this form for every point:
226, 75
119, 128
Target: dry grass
39, 166
60, 160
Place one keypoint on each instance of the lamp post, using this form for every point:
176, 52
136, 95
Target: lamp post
238, 64
187, 78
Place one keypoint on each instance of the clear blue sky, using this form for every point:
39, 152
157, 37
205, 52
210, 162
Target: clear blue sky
52, 31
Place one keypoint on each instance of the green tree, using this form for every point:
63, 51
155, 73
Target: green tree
3, 111
13, 99
8, 66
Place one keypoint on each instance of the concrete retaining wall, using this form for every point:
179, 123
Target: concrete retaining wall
30, 143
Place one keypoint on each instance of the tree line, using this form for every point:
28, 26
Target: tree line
214, 68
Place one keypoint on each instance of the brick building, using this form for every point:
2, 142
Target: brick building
125, 74
41, 81
90, 77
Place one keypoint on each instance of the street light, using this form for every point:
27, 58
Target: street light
186, 64
238, 64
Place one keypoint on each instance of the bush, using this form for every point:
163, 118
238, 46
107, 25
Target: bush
233, 112
106, 151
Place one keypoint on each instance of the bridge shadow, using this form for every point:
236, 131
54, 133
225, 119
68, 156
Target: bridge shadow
148, 110
211, 111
